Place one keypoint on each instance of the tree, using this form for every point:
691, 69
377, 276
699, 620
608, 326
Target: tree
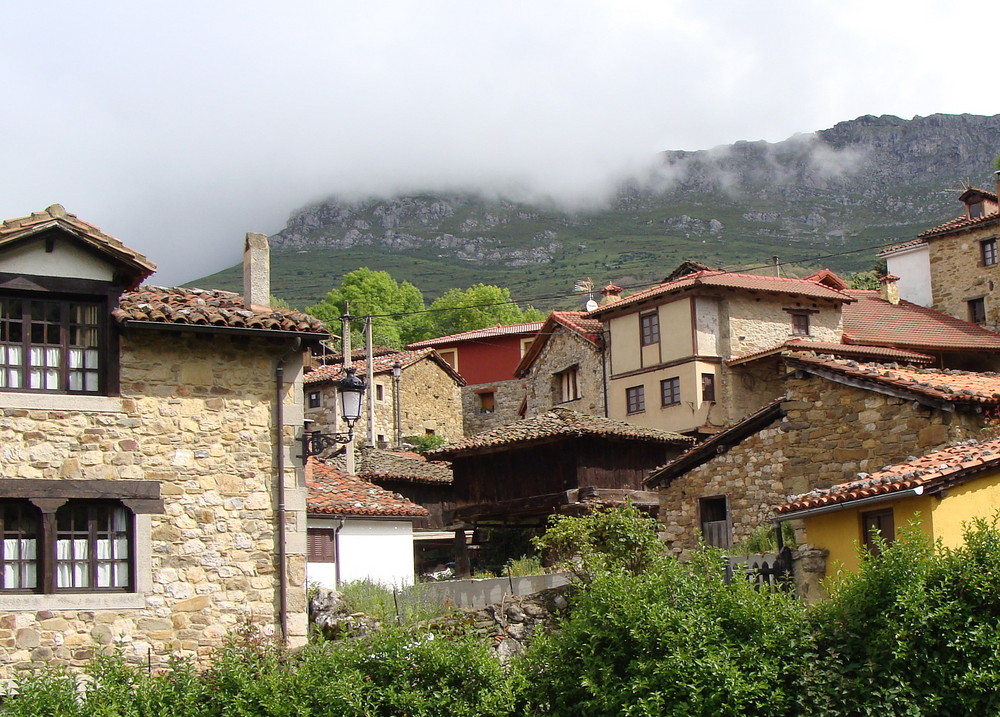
477, 307
376, 293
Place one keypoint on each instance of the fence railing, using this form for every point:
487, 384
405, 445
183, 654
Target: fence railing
769, 571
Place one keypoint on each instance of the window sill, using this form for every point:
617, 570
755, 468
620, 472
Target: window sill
74, 601
60, 402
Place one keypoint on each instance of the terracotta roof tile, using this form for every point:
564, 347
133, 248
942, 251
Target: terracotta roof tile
335, 492
869, 353
940, 384
579, 322
377, 464
559, 421
56, 216
913, 243
492, 331
730, 280
200, 307
381, 364
929, 472
873, 321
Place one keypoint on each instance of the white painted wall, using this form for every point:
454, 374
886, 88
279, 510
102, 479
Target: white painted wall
376, 550
65, 260
913, 267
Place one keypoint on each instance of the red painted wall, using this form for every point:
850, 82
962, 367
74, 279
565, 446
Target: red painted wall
488, 359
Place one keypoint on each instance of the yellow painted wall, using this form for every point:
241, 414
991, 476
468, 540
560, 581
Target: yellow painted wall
627, 354
941, 518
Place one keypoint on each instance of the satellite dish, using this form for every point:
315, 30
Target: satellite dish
591, 304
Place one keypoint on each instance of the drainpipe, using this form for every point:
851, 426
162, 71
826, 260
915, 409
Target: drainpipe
336, 554
604, 372
279, 419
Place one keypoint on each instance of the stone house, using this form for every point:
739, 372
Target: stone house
941, 491
486, 359
428, 397
666, 346
357, 530
564, 366
837, 418
954, 266
150, 493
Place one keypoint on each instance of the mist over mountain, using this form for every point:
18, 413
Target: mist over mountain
830, 198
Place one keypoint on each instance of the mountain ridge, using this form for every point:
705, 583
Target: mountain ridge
838, 193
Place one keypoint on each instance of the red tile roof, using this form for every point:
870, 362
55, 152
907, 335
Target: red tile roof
902, 247
55, 216
490, 332
334, 492
199, 307
376, 464
558, 422
382, 364
579, 322
873, 321
945, 385
730, 280
870, 353
928, 474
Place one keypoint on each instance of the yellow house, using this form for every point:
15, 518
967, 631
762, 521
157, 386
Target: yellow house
942, 490
667, 345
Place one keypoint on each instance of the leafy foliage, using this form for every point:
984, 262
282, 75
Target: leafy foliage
608, 540
422, 444
478, 307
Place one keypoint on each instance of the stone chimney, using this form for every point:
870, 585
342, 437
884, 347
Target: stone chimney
996, 177
256, 271
611, 294
888, 289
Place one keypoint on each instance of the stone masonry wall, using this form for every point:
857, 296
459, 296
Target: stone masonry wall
830, 433
958, 274
564, 349
508, 396
196, 414
429, 400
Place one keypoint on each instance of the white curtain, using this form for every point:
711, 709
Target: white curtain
11, 374
72, 574
18, 574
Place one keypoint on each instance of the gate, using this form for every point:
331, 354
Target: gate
770, 571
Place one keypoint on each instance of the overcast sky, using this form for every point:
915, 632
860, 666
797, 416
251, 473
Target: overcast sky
179, 126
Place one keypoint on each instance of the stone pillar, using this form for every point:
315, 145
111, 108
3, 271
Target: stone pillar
809, 568
256, 270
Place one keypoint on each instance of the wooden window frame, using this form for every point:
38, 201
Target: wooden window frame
977, 310
670, 391
314, 399
881, 520
568, 384
487, 402
649, 328
988, 252
725, 525
379, 392
635, 399
708, 387
321, 545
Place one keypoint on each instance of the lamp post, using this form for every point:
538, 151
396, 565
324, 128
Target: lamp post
351, 390
397, 370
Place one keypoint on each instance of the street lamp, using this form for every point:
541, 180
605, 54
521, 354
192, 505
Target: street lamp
351, 390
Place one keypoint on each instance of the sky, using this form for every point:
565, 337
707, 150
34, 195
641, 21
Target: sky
178, 127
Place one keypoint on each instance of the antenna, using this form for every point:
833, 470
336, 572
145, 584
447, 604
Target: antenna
586, 286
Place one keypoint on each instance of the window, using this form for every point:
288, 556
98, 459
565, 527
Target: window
379, 392
487, 402
716, 523
66, 546
800, 323
322, 545
708, 387
670, 391
51, 345
314, 399
568, 388
650, 328
975, 210
450, 357
977, 310
989, 251
878, 522
635, 398
526, 345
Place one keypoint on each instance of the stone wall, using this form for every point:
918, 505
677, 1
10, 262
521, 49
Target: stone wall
830, 433
563, 350
958, 275
196, 414
430, 401
507, 399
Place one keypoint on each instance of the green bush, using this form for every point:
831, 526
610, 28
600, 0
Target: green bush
670, 640
422, 444
405, 606
618, 539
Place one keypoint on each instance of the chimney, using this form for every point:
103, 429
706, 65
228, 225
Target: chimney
611, 294
996, 177
256, 271
888, 289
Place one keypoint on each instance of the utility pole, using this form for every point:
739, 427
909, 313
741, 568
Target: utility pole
345, 347
370, 380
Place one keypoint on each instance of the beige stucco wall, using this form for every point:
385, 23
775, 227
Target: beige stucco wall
196, 414
563, 349
829, 434
958, 275
430, 400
